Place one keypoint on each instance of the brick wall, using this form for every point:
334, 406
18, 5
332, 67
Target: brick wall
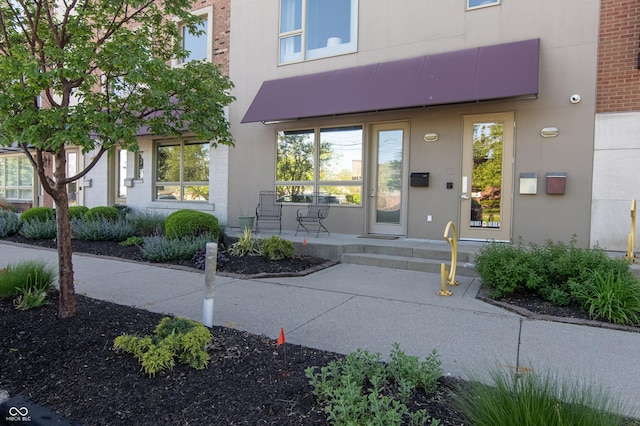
619, 45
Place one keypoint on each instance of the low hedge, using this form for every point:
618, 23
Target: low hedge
102, 212
41, 214
182, 223
77, 212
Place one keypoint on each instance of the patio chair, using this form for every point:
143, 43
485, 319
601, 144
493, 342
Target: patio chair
314, 214
268, 210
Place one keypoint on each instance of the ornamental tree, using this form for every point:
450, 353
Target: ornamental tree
92, 74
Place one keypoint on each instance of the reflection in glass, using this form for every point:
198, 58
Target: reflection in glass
290, 15
26, 172
294, 193
328, 19
195, 44
294, 162
343, 194
341, 153
72, 170
389, 177
182, 171
196, 162
478, 3
168, 166
486, 176
290, 49
16, 178
12, 171
196, 192
168, 192
122, 175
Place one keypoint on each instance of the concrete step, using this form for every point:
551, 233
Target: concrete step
419, 252
412, 263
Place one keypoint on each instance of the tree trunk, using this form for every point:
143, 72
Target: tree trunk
67, 303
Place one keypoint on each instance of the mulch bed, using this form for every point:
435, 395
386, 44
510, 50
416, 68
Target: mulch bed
70, 366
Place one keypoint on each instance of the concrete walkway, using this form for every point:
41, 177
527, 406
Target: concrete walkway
346, 307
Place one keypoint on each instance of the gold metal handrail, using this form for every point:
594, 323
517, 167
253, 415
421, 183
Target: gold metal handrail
448, 277
631, 240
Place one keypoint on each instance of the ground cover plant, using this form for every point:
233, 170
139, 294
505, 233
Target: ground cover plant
173, 338
9, 223
533, 399
361, 389
564, 275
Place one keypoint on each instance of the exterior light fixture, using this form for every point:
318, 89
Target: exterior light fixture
549, 132
431, 137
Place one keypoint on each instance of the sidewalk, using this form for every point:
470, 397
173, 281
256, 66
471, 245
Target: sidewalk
346, 307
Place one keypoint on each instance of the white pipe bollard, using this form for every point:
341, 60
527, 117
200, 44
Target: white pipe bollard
210, 283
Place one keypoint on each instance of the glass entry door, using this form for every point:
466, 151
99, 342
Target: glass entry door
388, 179
487, 177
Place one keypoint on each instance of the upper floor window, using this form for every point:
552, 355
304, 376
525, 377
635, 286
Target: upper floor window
474, 4
198, 44
311, 29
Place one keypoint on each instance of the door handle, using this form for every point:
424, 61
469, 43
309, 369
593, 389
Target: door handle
464, 197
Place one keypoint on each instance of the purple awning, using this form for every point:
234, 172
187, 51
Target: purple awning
491, 72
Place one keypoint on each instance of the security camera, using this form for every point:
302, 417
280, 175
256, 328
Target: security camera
574, 99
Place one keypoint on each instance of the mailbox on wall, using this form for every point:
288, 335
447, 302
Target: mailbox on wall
556, 182
420, 179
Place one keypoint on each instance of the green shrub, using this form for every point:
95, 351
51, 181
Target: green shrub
9, 223
38, 213
247, 245
182, 223
162, 249
179, 338
532, 400
37, 229
147, 223
101, 229
26, 276
549, 271
276, 248
102, 212
362, 390
504, 268
612, 296
77, 212
132, 241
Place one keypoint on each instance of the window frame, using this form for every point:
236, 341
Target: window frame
316, 183
181, 183
306, 54
19, 188
207, 13
482, 6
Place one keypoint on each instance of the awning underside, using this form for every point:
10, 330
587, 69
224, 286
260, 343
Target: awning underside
484, 73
